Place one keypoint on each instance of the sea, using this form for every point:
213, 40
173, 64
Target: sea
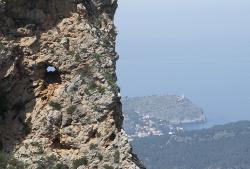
197, 48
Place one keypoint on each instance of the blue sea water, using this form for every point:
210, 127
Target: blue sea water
197, 48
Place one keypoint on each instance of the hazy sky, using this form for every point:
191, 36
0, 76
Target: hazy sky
200, 48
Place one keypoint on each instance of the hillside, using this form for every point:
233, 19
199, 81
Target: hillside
158, 115
221, 147
171, 108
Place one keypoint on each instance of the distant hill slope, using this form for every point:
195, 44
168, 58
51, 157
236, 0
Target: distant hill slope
171, 108
221, 147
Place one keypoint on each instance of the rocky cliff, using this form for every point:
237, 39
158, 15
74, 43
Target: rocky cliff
59, 104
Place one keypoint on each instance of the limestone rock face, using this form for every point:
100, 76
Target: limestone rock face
59, 104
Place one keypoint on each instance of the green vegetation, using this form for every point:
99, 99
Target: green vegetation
92, 85
84, 50
38, 146
71, 53
101, 89
2, 47
71, 109
55, 105
50, 33
171, 108
87, 78
85, 72
74, 88
117, 156
77, 57
79, 162
79, 18
110, 79
222, 147
60, 166
47, 162
100, 156
93, 146
106, 43
52, 51
9, 162
96, 56
106, 166
86, 91
35, 144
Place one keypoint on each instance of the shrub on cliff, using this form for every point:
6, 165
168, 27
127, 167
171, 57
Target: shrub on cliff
55, 105
9, 162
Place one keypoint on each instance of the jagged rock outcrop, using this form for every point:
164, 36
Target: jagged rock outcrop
59, 104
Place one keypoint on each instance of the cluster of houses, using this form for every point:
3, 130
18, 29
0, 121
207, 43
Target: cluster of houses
152, 127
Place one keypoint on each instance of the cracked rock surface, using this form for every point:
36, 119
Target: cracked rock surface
59, 104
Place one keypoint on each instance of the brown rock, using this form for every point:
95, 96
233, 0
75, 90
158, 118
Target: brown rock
59, 102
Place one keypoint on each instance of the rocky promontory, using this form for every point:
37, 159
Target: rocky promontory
171, 108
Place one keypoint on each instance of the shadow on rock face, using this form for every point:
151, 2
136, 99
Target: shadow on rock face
17, 99
20, 83
44, 14
39, 12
